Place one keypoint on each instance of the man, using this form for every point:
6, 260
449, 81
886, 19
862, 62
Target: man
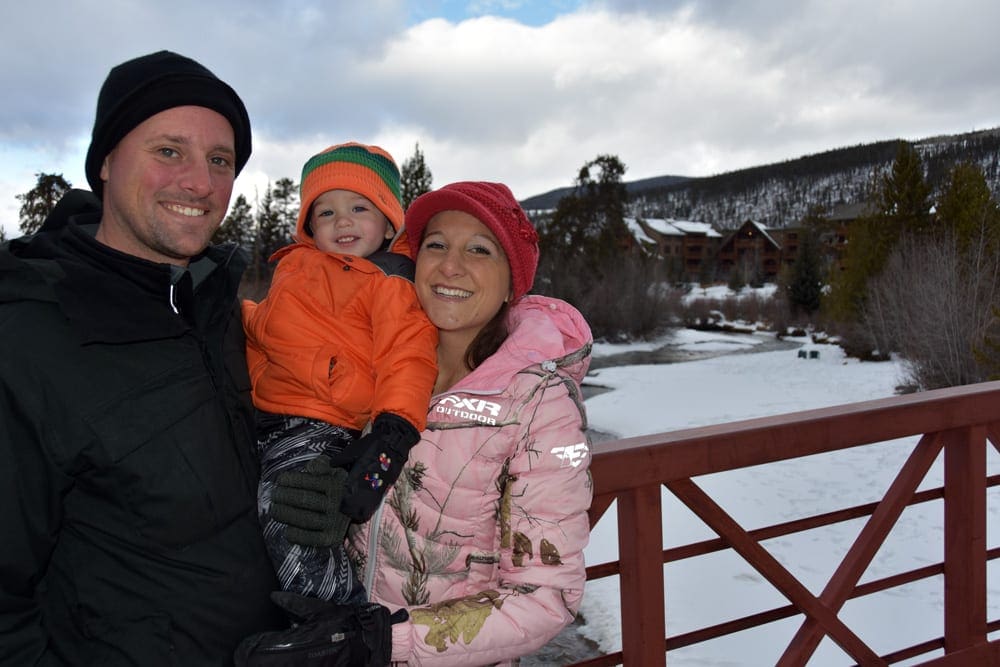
128, 479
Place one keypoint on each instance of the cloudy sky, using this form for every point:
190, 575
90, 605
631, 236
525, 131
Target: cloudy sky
516, 91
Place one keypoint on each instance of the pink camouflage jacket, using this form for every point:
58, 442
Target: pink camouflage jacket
482, 536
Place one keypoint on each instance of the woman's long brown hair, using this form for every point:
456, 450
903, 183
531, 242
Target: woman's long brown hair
489, 339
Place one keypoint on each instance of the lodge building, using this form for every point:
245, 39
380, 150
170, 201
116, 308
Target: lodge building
696, 251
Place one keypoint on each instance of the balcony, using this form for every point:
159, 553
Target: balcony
957, 424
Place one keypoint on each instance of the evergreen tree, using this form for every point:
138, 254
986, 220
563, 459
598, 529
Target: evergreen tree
805, 281
590, 222
736, 281
904, 199
706, 271
285, 197
238, 226
267, 237
967, 209
37, 203
414, 178
590, 258
902, 206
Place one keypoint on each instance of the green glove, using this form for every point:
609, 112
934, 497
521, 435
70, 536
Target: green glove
308, 503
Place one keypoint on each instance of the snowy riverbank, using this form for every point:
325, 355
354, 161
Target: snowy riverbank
642, 399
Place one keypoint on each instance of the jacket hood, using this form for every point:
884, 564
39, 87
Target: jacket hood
20, 281
544, 332
23, 272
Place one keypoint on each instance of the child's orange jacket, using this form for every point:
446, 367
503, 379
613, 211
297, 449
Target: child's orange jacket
341, 339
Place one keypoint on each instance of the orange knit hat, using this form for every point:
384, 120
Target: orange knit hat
368, 170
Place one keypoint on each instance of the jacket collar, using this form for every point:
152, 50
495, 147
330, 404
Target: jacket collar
546, 334
112, 297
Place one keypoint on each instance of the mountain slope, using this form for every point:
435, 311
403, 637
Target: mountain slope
781, 194
550, 199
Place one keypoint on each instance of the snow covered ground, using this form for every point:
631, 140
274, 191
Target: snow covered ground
706, 590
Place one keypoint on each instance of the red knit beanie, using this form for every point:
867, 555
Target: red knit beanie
493, 204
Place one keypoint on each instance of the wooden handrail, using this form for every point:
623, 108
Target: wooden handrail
960, 421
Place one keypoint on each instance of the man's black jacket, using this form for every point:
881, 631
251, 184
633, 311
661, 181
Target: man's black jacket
128, 477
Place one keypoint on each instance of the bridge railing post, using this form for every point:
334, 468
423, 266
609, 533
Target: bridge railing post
640, 547
964, 538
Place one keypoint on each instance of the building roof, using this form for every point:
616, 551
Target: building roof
638, 232
661, 226
671, 227
760, 229
852, 211
690, 227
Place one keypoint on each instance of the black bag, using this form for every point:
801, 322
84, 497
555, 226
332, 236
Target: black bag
322, 633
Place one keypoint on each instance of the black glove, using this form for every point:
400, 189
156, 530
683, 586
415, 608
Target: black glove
380, 456
308, 503
323, 633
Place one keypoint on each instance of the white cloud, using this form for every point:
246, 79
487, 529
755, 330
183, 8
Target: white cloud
689, 88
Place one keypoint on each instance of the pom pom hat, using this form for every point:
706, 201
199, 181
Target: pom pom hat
492, 204
367, 170
143, 87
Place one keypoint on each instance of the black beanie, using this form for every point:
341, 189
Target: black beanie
145, 86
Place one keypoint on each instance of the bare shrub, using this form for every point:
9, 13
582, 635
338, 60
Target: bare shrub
770, 312
732, 308
857, 340
933, 304
776, 313
756, 308
628, 301
699, 312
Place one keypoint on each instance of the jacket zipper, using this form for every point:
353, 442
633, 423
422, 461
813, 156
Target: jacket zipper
173, 303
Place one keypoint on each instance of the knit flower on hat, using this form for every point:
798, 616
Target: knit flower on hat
525, 229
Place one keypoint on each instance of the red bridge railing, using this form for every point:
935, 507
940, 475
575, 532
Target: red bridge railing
962, 422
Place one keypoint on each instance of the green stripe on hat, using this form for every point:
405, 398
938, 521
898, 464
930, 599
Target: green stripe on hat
384, 167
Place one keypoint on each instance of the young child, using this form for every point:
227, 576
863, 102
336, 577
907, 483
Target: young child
340, 340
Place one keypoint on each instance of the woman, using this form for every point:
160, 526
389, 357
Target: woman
481, 538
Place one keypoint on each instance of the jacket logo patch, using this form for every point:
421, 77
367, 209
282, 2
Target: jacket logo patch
571, 454
473, 409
